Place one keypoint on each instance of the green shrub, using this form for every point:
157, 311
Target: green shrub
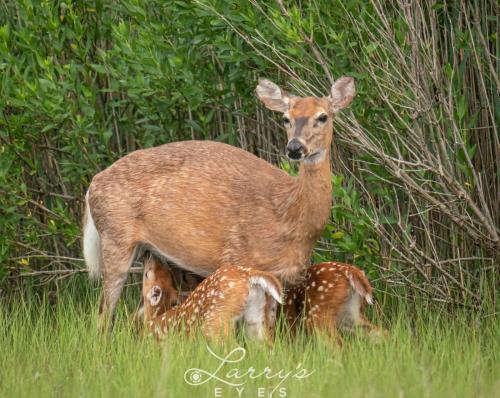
84, 83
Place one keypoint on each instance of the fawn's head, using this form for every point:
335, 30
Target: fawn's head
308, 120
158, 288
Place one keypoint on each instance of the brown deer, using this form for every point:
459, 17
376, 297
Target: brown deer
230, 295
332, 296
205, 204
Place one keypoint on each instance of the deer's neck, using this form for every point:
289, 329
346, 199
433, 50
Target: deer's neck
306, 206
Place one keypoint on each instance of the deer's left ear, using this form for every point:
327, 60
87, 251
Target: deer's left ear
155, 295
272, 96
342, 93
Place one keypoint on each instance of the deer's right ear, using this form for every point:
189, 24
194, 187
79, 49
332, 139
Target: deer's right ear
342, 93
272, 96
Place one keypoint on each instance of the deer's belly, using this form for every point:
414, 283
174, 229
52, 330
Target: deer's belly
200, 259
285, 261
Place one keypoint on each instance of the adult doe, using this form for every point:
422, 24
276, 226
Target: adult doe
204, 204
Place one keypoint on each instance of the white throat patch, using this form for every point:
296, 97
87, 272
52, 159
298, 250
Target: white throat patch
315, 158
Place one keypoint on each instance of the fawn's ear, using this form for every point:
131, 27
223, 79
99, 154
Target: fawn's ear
342, 93
150, 266
149, 273
272, 96
155, 295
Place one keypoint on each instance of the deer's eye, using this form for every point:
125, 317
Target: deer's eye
286, 120
322, 118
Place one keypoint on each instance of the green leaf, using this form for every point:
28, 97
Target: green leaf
338, 235
98, 68
461, 107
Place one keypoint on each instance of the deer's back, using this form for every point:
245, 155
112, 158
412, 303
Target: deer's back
192, 200
186, 169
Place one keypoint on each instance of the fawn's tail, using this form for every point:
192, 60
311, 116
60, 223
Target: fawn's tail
360, 283
269, 283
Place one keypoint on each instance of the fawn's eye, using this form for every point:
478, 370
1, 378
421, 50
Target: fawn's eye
286, 120
322, 118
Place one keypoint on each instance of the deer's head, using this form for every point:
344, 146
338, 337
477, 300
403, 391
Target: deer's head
308, 120
158, 286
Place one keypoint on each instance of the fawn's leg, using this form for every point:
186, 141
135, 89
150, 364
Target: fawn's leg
271, 308
255, 315
219, 328
369, 328
291, 315
324, 323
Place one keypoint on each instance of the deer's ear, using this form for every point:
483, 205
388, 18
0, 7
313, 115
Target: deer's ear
342, 93
150, 267
272, 96
155, 295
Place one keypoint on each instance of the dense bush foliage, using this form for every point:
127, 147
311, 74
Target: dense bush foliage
416, 159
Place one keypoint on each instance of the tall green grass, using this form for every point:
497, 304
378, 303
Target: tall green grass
56, 351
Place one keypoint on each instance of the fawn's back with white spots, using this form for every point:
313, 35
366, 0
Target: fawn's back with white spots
332, 296
231, 294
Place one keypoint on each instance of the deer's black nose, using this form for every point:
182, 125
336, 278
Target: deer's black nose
295, 149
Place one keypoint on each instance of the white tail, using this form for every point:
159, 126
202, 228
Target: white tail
268, 285
205, 204
359, 287
91, 244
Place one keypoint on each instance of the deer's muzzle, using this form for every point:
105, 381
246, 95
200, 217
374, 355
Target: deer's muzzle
295, 149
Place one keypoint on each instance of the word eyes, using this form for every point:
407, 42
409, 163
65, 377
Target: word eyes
286, 120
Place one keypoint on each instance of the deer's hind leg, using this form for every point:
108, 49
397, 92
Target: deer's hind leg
369, 329
117, 259
324, 324
218, 328
255, 316
219, 323
271, 312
